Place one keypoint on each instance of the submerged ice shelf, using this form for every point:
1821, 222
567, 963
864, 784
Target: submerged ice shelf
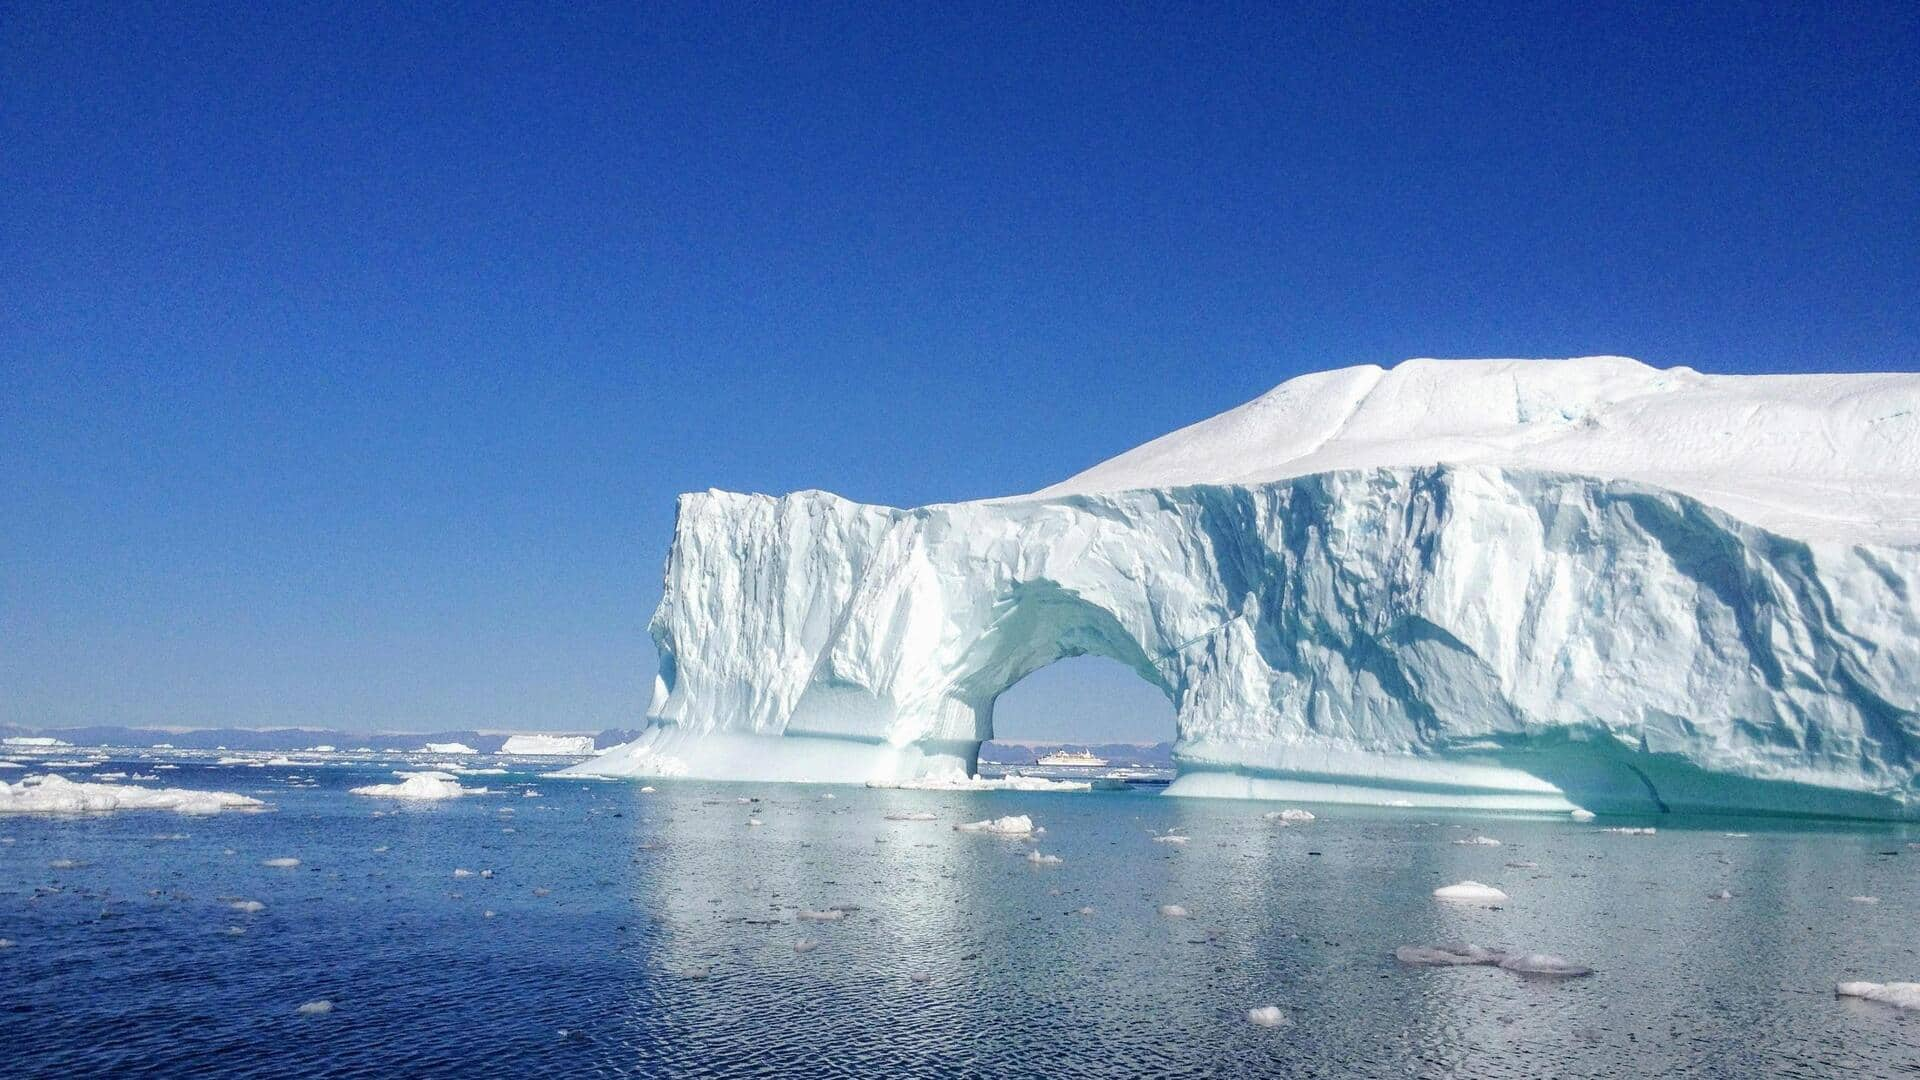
1527, 585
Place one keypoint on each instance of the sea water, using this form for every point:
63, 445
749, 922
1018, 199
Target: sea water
603, 930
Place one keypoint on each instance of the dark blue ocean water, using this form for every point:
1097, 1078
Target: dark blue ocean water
654, 935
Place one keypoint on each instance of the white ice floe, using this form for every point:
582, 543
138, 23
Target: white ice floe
251, 907
1864, 899
1629, 830
912, 815
1463, 955
1722, 894
1904, 995
530, 794
648, 790
1472, 892
1478, 841
283, 862
462, 872
11, 765
1267, 1016
1038, 859
420, 786
6, 943
828, 915
805, 945
52, 794
1173, 911
1171, 838
1579, 814
1523, 864
1020, 825
755, 821
1289, 816
447, 748
320, 1007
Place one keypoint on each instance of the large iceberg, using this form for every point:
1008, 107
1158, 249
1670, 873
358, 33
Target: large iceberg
1527, 585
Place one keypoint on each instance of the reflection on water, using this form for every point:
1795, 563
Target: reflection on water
655, 935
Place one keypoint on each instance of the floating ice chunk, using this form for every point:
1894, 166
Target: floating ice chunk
236, 931
1471, 891
66, 864
486, 873
1289, 816
829, 915
1268, 1016
1171, 838
420, 786
447, 748
1020, 825
171, 837
1478, 841
1038, 859
755, 821
1904, 995
1722, 894
1173, 911
1579, 814
912, 815
920, 978
1086, 911
1523, 864
6, 943
11, 765
805, 945
1544, 964
829, 795
251, 907
281, 862
381, 850
530, 794
50, 794
1447, 955
648, 790
109, 776
320, 1007
462, 872
1864, 899
1629, 830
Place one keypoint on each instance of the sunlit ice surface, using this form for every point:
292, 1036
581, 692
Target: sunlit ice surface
601, 929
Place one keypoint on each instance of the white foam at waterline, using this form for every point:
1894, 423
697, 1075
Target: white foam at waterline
1038, 859
1471, 891
320, 1007
1268, 1016
51, 794
913, 815
1903, 995
1173, 911
1016, 825
1478, 841
283, 862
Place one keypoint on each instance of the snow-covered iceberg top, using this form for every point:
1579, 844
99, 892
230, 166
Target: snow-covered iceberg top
52, 794
1531, 586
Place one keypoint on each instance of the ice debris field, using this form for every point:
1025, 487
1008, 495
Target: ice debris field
1525, 585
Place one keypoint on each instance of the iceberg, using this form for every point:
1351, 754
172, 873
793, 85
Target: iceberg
447, 748
548, 745
52, 794
1532, 586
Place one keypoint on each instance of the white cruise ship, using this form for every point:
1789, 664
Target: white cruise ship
1076, 759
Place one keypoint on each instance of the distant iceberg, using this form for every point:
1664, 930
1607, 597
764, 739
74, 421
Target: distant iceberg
1524, 585
447, 748
548, 745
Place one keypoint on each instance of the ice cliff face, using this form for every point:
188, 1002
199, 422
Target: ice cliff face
1513, 584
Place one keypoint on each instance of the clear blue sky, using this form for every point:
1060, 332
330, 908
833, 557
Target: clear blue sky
349, 363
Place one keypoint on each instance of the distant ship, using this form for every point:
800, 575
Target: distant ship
1079, 759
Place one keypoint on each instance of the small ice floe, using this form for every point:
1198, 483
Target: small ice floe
462, 872
1629, 830
50, 794
381, 850
109, 776
1462, 955
542, 892
743, 800
1721, 894
284, 863
805, 945
1478, 841
646, 790
919, 978
1289, 816
1580, 814
170, 837
1020, 825
236, 931
1903, 995
828, 795
1471, 892
1742, 836
1864, 899
250, 907
487, 914
1172, 911
912, 815
530, 794
829, 915
320, 1007
11, 765
1085, 911
419, 786
755, 821
1545, 964
1523, 864
228, 851
486, 873
1171, 838
1038, 859
1268, 1016
66, 864
6, 943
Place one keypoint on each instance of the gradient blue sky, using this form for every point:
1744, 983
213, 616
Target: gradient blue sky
349, 363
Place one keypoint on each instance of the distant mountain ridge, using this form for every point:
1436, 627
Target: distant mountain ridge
231, 738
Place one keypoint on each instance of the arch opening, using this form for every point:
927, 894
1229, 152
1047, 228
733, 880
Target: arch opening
1089, 703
